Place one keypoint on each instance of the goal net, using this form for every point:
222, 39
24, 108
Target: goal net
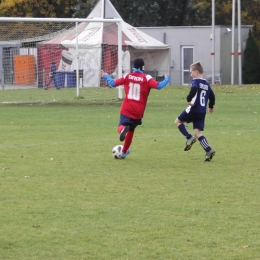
60, 53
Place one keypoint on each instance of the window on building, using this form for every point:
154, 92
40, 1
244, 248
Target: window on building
187, 60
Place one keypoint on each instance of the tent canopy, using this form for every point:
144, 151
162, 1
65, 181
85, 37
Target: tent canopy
97, 47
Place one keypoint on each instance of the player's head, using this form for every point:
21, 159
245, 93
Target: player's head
196, 69
139, 64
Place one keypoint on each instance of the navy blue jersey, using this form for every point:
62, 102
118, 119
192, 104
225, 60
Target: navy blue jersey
199, 95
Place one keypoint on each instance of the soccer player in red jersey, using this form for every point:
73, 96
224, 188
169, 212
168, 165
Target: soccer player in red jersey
137, 86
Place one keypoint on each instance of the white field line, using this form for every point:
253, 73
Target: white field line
78, 141
116, 139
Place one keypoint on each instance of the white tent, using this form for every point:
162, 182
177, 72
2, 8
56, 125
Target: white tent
97, 47
140, 45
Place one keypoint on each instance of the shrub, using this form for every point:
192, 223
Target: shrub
251, 64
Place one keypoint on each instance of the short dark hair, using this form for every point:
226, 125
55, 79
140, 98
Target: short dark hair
139, 64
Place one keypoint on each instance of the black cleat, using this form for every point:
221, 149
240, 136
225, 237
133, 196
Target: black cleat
209, 155
123, 133
189, 143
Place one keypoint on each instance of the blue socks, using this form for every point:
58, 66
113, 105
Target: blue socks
183, 130
204, 143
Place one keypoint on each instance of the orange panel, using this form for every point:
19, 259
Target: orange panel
24, 69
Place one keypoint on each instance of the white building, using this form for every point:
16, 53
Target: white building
194, 43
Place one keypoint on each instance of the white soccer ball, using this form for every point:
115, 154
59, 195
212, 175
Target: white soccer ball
116, 151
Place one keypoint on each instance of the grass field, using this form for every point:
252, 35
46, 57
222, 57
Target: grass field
63, 195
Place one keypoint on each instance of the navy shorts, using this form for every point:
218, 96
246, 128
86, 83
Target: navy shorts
133, 123
198, 119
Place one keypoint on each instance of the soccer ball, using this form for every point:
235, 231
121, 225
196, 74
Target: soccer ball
116, 151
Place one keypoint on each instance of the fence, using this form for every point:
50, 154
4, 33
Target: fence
52, 52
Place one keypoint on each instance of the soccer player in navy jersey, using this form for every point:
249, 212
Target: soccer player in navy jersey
200, 94
137, 86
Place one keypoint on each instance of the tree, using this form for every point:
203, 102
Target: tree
251, 64
250, 14
32, 8
154, 13
144, 13
201, 13
82, 10
36, 8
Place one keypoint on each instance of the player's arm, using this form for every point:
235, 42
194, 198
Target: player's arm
110, 81
211, 101
164, 83
191, 95
155, 84
107, 78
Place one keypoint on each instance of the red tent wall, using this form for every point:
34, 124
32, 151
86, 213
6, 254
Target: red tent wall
45, 57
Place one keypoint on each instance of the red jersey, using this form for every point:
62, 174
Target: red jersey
137, 88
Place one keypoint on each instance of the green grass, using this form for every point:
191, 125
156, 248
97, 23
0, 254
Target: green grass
63, 196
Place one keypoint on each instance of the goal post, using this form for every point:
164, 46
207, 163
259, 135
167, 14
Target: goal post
60, 52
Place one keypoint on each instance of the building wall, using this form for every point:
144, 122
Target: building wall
226, 48
200, 38
225, 51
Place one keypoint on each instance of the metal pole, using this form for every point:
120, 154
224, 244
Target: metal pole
3, 78
119, 64
213, 43
103, 9
233, 42
77, 60
239, 43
